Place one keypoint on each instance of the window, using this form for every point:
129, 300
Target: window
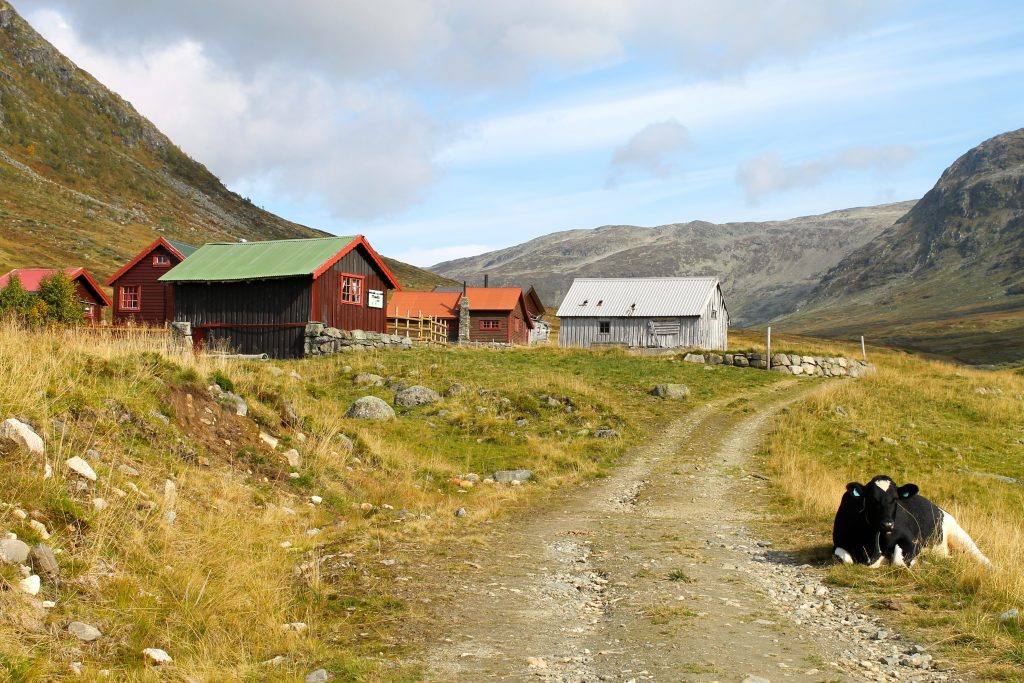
162, 261
604, 327
130, 298
714, 313
490, 324
352, 289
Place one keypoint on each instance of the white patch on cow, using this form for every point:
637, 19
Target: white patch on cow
844, 556
877, 563
883, 484
953, 533
897, 557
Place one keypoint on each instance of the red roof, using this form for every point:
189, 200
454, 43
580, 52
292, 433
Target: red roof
160, 242
498, 299
433, 304
31, 277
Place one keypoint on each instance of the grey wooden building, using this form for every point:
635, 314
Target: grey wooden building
644, 312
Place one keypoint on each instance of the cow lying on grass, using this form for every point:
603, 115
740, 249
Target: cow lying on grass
881, 521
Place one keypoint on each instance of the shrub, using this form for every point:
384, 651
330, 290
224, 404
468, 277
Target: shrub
60, 295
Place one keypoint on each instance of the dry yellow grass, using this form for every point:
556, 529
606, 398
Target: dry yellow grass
960, 435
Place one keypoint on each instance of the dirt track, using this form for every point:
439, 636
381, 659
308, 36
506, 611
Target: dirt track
652, 575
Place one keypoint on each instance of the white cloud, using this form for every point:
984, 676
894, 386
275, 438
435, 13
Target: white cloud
364, 151
767, 174
652, 150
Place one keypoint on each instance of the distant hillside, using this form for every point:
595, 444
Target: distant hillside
86, 180
766, 268
948, 277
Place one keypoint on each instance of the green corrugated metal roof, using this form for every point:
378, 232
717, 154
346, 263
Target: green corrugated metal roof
185, 250
221, 262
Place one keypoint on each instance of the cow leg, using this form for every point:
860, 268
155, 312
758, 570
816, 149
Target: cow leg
897, 557
843, 556
877, 563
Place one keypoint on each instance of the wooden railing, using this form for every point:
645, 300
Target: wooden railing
419, 328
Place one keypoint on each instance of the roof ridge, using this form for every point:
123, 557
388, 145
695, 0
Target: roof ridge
294, 239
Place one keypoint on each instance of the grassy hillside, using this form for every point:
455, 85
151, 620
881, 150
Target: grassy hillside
248, 550
959, 435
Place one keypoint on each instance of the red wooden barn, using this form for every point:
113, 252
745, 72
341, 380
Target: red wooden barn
139, 296
496, 314
257, 297
92, 298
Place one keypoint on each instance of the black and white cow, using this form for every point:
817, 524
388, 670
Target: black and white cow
881, 521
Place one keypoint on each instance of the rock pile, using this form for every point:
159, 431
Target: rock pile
323, 341
812, 366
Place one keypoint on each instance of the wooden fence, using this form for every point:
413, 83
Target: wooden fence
424, 329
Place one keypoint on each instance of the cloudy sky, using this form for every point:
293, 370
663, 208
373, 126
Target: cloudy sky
444, 128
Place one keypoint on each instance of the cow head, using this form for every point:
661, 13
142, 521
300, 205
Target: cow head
881, 499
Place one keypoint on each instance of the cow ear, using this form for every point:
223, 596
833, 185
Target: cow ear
908, 490
855, 488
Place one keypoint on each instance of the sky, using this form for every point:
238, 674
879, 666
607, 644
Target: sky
447, 128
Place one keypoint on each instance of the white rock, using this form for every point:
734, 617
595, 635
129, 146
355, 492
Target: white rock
318, 676
40, 528
156, 656
20, 433
293, 457
81, 468
170, 494
99, 505
316, 500
13, 551
268, 439
297, 626
48, 471
30, 585
19, 513
83, 631
48, 604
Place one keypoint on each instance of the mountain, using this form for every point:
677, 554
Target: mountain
946, 278
766, 268
86, 180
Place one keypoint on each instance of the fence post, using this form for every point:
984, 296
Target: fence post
769, 345
863, 351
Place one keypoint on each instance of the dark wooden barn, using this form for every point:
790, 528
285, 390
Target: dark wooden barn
257, 297
90, 294
139, 296
498, 314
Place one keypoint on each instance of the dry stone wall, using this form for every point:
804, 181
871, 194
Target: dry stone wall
789, 363
324, 341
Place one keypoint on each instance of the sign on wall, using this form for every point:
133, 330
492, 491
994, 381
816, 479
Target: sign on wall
374, 298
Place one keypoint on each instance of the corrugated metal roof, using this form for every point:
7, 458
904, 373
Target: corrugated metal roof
223, 262
435, 304
637, 297
185, 250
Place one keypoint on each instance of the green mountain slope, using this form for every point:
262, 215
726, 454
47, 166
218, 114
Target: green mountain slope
86, 180
948, 277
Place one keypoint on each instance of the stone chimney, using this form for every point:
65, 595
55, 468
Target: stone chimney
464, 316
487, 279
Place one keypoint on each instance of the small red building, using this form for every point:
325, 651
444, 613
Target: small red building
498, 314
439, 305
139, 296
92, 298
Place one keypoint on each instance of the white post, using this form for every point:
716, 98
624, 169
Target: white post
769, 354
863, 351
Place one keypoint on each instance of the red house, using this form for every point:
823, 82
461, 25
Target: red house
498, 314
139, 297
90, 295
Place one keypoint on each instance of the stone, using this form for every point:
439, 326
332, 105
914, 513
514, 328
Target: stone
889, 441
30, 585
157, 415
367, 379
605, 433
293, 457
99, 504
236, 402
156, 656
536, 663
841, 412
345, 443
371, 408
83, 631
268, 439
20, 433
715, 359
454, 390
128, 469
40, 529
522, 422
780, 359
318, 676
461, 512
1009, 615
795, 359
755, 679
416, 395
671, 391
796, 369
809, 368
693, 358
508, 476
740, 361
81, 468
44, 561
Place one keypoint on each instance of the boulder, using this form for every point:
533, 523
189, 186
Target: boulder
368, 379
318, 676
345, 443
81, 468
509, 476
156, 656
370, 408
44, 561
83, 631
671, 391
605, 433
795, 359
13, 551
235, 403
809, 368
416, 396
693, 358
715, 359
268, 439
30, 585
293, 457
796, 369
729, 359
454, 390
780, 359
740, 361
20, 433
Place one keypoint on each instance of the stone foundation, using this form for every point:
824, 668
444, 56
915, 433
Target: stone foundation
792, 364
324, 341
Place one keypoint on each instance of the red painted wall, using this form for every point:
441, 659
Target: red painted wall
156, 299
327, 305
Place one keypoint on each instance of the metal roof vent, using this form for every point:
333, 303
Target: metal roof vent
600, 301
584, 302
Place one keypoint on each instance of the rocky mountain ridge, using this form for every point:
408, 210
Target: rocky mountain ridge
766, 268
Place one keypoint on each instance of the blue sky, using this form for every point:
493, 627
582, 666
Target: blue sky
443, 128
